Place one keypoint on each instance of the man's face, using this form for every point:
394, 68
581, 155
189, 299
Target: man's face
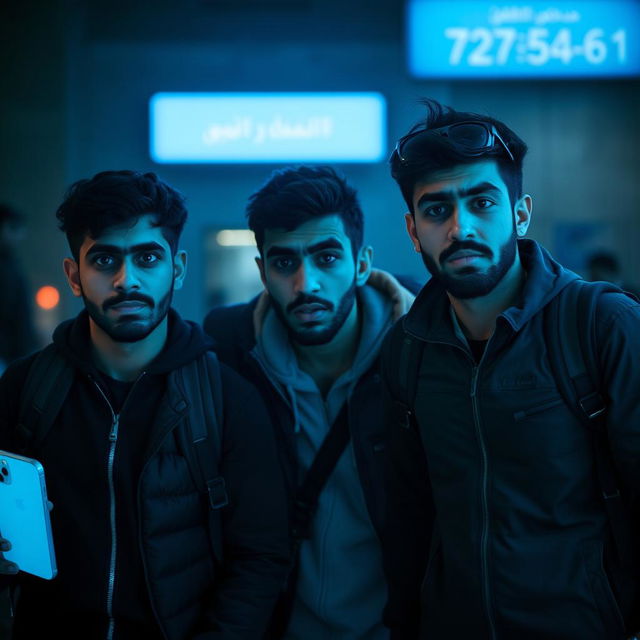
311, 276
126, 278
465, 227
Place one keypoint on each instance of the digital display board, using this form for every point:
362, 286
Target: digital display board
267, 127
479, 39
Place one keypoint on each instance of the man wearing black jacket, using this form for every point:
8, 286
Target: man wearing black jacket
130, 523
503, 525
310, 343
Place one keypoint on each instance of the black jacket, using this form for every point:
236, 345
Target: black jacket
521, 547
166, 582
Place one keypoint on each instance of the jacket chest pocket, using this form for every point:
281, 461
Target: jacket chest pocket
537, 424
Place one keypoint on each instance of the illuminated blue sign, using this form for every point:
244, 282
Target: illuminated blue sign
478, 39
267, 127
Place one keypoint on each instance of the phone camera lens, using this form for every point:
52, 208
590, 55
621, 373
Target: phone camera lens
5, 471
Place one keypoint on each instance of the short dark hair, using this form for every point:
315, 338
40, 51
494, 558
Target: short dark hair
295, 195
112, 198
442, 155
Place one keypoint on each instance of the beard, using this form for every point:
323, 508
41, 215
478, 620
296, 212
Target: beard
313, 335
469, 282
131, 327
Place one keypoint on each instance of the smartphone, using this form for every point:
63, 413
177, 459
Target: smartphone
24, 515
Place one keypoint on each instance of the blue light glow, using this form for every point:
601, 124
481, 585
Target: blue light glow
478, 39
267, 127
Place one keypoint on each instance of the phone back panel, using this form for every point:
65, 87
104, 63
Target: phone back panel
24, 515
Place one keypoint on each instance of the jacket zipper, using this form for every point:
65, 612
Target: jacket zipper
113, 441
484, 538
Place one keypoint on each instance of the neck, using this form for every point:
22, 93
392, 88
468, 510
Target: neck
125, 361
477, 316
325, 363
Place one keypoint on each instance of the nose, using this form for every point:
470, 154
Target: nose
126, 278
461, 223
306, 279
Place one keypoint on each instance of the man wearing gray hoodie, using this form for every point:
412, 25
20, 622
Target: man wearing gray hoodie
310, 343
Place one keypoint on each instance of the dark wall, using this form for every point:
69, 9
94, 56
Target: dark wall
78, 76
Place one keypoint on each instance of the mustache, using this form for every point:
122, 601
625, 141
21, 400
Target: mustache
127, 297
459, 245
305, 298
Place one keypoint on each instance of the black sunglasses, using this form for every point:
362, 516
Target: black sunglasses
472, 138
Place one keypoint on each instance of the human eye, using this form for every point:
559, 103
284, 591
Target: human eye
103, 261
327, 258
438, 210
283, 264
483, 203
147, 258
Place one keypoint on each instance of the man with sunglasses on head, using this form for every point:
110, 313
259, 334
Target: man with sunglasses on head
498, 525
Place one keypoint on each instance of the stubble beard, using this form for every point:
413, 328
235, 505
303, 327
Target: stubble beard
468, 283
312, 337
132, 329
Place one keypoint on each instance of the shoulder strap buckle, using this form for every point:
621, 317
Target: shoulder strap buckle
217, 491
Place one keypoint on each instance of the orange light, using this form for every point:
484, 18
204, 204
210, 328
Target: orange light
47, 297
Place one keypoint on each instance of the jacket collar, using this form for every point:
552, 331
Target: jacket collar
429, 317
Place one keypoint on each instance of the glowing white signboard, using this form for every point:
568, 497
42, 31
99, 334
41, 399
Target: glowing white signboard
477, 39
267, 127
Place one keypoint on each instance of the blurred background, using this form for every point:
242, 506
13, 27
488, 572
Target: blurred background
79, 80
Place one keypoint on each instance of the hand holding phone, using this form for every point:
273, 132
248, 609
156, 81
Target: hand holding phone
6, 566
25, 527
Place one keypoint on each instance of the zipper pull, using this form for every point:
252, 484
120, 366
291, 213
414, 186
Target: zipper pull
474, 381
113, 434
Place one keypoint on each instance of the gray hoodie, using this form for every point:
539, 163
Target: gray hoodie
341, 589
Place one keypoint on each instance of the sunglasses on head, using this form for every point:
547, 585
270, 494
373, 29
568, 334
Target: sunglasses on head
472, 138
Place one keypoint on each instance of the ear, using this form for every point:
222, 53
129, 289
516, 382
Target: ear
363, 265
72, 272
522, 213
179, 268
260, 264
410, 221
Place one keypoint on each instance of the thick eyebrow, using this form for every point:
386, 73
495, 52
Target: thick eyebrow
136, 248
446, 196
279, 251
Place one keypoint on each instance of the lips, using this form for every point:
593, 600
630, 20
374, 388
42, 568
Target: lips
129, 306
464, 255
309, 312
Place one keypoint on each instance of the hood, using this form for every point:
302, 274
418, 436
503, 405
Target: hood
545, 278
185, 342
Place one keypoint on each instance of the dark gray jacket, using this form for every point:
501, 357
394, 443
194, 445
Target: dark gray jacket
521, 546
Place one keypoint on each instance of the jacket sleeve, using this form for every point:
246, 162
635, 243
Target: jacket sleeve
618, 343
255, 524
409, 515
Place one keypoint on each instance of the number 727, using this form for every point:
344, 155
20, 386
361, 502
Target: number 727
479, 56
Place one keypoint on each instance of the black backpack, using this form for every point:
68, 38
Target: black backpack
50, 378
569, 334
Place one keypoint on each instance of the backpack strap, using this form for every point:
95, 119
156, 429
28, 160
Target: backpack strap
333, 446
570, 335
201, 381
45, 389
406, 356
306, 504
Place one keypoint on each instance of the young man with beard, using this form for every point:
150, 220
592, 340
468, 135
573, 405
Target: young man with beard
499, 525
133, 533
310, 342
